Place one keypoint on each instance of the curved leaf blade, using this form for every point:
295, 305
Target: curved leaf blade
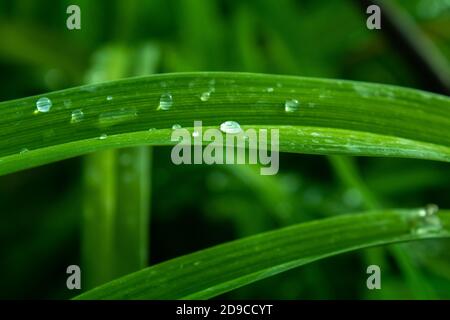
334, 117
210, 272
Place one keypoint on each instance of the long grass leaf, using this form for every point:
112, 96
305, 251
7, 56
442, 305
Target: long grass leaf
334, 117
222, 268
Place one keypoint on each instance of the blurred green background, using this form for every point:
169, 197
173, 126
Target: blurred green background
194, 207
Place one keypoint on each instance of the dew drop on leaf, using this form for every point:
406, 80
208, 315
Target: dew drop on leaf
291, 105
205, 96
231, 127
43, 104
165, 101
77, 116
427, 221
429, 210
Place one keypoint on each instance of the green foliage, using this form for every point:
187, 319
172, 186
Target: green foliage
334, 117
86, 210
216, 270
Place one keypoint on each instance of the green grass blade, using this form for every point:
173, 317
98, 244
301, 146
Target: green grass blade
222, 268
115, 230
99, 212
115, 238
334, 117
345, 169
133, 208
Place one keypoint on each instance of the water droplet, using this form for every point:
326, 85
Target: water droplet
431, 209
77, 116
270, 89
109, 98
43, 104
195, 134
291, 105
205, 96
165, 101
24, 150
279, 85
152, 129
103, 136
231, 127
428, 221
176, 126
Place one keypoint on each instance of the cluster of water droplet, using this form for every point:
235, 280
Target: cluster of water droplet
211, 89
44, 104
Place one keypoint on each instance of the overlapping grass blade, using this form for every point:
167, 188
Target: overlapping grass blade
334, 117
